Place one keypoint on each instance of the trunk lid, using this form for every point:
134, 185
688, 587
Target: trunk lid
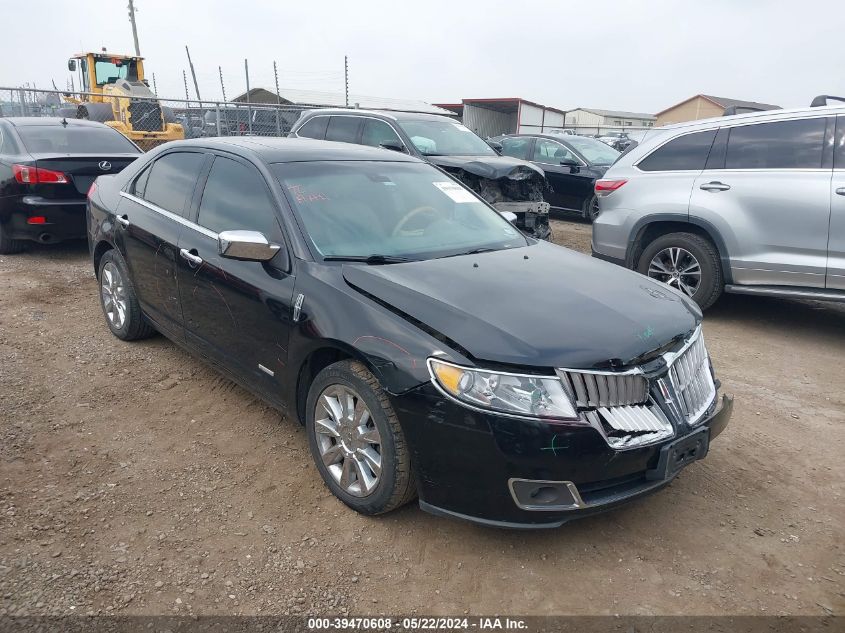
80, 169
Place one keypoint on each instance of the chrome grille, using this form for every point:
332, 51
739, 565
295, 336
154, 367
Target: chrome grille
605, 389
692, 380
631, 426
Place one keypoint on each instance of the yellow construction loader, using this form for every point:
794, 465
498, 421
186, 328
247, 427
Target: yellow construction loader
119, 96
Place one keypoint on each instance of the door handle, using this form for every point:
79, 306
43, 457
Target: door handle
715, 186
840, 191
123, 221
192, 259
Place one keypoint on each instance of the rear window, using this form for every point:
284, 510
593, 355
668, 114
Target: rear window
777, 145
57, 139
685, 153
172, 179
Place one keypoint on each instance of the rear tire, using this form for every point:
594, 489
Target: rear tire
690, 252
8, 246
333, 445
119, 302
101, 112
591, 210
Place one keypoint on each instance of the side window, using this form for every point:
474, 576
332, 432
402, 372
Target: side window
716, 158
172, 179
315, 128
236, 199
377, 132
516, 146
687, 152
140, 185
552, 152
343, 129
777, 145
839, 144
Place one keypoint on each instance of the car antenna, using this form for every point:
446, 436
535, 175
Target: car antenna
64, 121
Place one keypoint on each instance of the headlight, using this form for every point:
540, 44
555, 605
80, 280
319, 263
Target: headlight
522, 395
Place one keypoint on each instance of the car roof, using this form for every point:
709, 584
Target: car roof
751, 117
49, 121
387, 114
287, 150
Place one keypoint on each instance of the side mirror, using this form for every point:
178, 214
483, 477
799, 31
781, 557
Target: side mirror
568, 162
497, 147
396, 146
249, 246
71, 65
510, 216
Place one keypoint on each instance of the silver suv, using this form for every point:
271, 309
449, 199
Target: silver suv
751, 204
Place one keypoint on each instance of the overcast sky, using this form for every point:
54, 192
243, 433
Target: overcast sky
641, 56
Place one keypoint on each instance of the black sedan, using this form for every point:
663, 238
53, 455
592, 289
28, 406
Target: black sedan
572, 165
429, 348
46, 168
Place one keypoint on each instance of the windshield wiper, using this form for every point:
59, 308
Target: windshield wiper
369, 259
474, 251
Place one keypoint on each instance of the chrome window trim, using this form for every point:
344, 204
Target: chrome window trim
170, 215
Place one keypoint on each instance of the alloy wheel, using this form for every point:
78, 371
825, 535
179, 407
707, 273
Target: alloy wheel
676, 267
113, 292
593, 209
348, 440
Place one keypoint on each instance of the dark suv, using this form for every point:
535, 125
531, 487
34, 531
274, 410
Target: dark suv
509, 184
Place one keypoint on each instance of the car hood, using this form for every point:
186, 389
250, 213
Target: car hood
492, 167
540, 306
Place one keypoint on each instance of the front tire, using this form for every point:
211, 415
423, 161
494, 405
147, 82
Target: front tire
118, 300
356, 440
687, 262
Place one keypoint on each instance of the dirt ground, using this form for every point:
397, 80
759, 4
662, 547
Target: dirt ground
135, 480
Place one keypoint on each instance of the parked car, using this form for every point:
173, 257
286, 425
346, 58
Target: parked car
510, 185
572, 165
428, 347
46, 167
752, 204
617, 140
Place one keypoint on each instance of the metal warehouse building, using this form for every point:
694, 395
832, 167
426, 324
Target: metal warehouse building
513, 115
595, 121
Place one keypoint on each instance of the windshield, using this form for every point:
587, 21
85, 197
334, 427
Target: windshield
57, 139
359, 209
110, 70
596, 152
445, 138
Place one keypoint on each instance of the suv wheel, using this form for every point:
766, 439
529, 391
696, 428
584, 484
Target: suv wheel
687, 262
356, 441
118, 300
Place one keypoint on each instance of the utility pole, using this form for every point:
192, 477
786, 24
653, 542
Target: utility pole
346, 78
193, 74
134, 27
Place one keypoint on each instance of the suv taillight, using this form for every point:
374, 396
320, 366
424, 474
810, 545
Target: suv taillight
606, 187
29, 175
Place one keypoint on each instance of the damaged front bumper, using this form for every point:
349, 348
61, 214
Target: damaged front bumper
532, 217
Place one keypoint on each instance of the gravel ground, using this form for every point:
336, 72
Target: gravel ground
135, 480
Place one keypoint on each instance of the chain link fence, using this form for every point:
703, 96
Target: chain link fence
150, 122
